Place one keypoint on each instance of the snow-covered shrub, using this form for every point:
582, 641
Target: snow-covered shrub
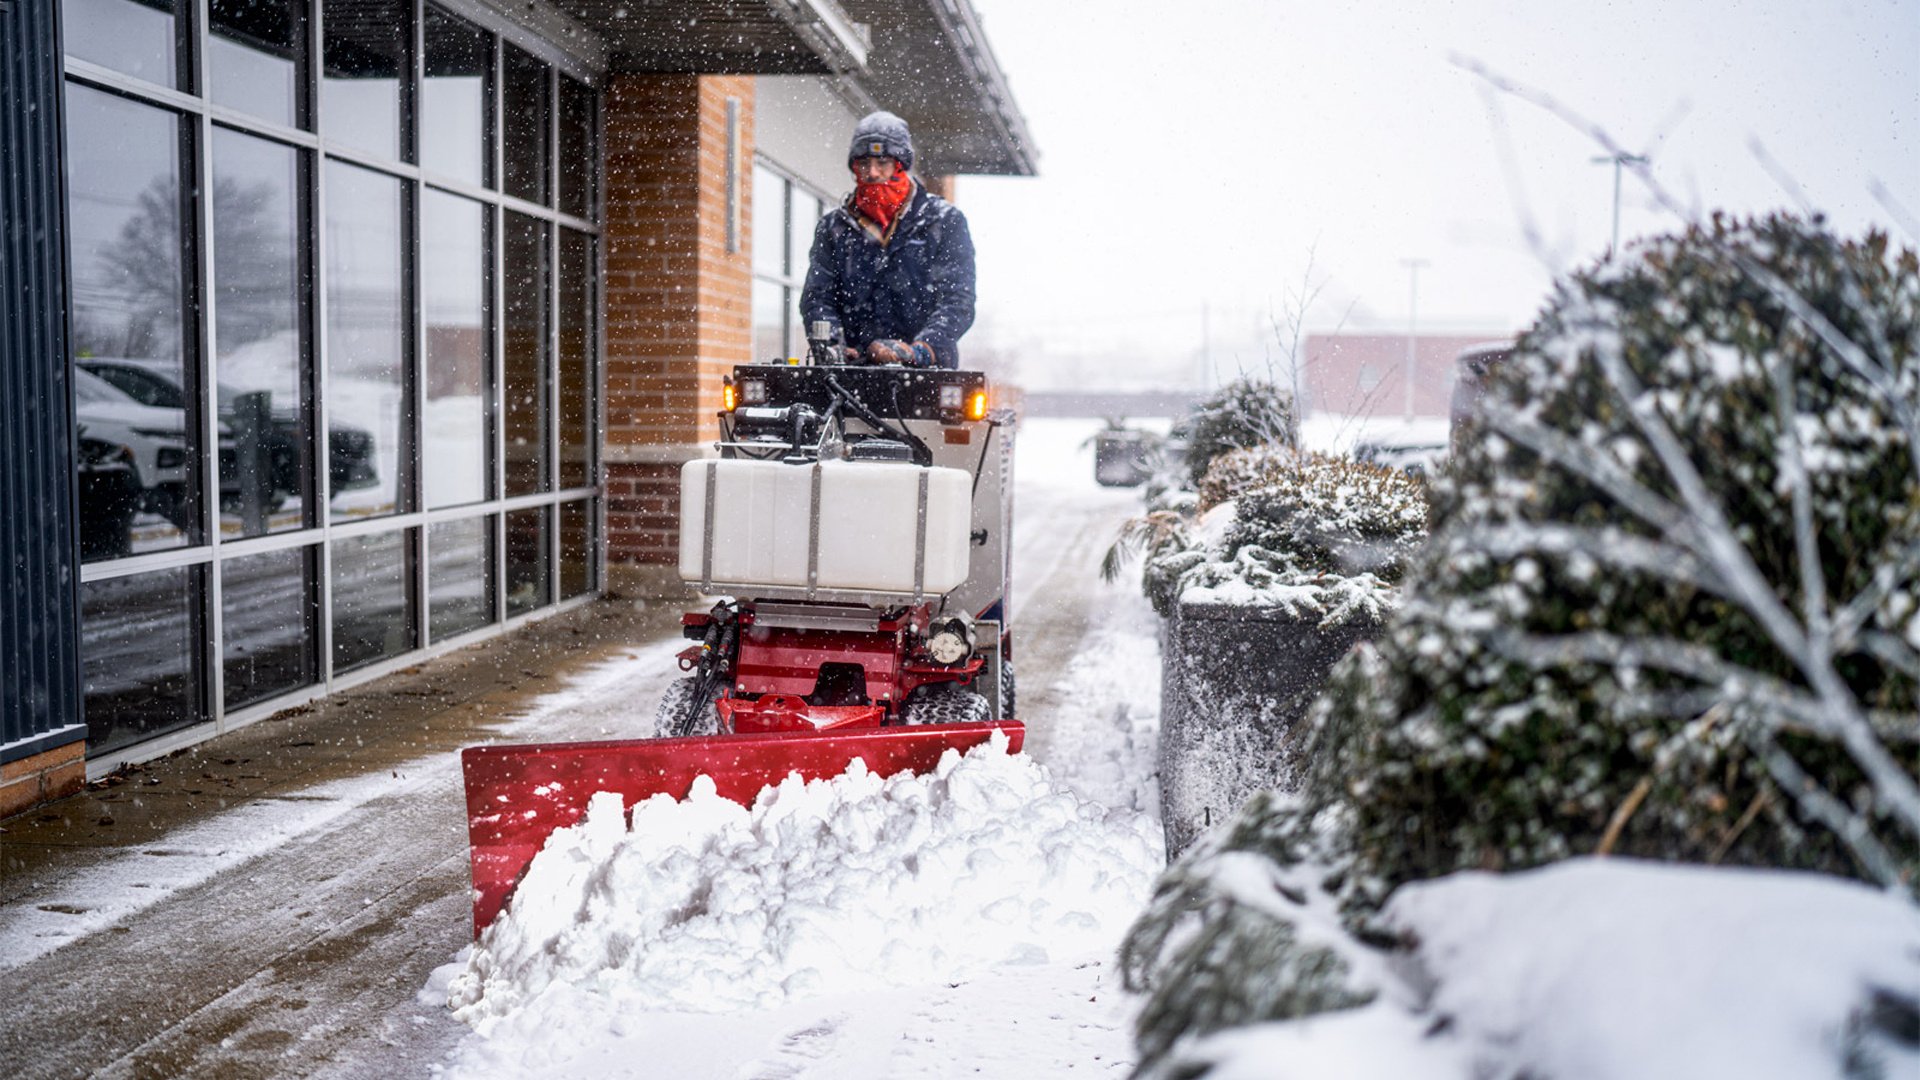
1242, 470
1245, 412
1311, 534
1672, 609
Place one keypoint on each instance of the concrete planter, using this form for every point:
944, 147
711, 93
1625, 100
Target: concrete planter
1234, 681
1122, 458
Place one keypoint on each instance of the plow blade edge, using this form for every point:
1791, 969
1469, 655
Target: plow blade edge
518, 795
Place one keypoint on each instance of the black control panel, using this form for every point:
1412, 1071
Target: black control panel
892, 392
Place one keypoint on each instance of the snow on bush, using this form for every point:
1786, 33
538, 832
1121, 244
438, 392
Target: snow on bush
1669, 610
1316, 536
1246, 412
1599, 970
843, 885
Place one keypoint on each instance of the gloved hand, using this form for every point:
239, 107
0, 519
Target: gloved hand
894, 351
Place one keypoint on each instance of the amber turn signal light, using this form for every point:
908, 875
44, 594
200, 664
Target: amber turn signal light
977, 405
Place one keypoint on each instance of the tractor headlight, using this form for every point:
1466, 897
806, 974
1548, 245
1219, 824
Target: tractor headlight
753, 391
952, 396
950, 640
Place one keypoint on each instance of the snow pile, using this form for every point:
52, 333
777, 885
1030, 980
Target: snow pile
820, 888
1604, 969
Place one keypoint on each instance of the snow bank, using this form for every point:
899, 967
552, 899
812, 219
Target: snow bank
1617, 970
828, 887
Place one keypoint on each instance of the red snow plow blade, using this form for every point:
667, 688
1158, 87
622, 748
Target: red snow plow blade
518, 795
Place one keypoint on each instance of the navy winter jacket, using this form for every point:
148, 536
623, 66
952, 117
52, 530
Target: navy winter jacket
916, 287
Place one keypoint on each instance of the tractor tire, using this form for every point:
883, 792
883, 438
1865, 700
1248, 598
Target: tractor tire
1007, 711
948, 703
672, 719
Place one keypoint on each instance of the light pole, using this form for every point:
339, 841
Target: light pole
1413, 322
1619, 158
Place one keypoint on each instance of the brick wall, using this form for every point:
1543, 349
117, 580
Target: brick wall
42, 778
1366, 374
942, 186
678, 313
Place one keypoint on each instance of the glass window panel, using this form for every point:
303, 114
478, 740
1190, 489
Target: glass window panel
136, 37
769, 222
372, 599
257, 284
579, 149
527, 420
456, 463
138, 637
366, 341
459, 576
454, 97
528, 110
270, 606
367, 58
253, 56
769, 332
576, 548
805, 217
527, 560
138, 473
576, 358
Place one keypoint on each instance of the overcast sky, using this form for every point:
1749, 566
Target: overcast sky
1193, 155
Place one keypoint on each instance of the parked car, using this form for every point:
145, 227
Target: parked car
1473, 367
350, 450
110, 492
154, 436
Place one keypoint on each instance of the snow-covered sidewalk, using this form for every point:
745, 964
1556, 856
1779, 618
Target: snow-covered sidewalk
958, 924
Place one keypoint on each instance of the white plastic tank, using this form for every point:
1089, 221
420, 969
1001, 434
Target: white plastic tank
868, 515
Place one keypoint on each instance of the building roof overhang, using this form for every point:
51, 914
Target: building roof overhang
927, 60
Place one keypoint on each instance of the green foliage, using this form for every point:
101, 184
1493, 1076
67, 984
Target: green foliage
1244, 413
1680, 558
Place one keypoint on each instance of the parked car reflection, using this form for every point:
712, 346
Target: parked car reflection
154, 440
110, 493
349, 449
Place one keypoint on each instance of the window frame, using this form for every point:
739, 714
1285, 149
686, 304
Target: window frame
207, 551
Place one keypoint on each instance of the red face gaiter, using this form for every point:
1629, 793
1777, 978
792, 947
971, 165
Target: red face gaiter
882, 202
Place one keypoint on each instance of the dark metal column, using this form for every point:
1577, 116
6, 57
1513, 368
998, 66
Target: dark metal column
40, 701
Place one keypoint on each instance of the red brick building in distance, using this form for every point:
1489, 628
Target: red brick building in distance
1366, 374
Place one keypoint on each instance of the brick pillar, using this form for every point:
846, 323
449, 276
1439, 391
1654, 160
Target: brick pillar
679, 312
942, 186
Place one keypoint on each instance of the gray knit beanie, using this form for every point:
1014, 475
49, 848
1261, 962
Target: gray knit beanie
882, 134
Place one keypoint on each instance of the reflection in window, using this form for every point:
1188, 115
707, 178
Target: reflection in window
527, 560
769, 222
256, 334
366, 341
134, 37
579, 149
254, 54
803, 218
269, 613
138, 640
372, 602
576, 548
367, 53
525, 371
527, 107
455, 461
769, 332
454, 97
459, 576
138, 490
576, 358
